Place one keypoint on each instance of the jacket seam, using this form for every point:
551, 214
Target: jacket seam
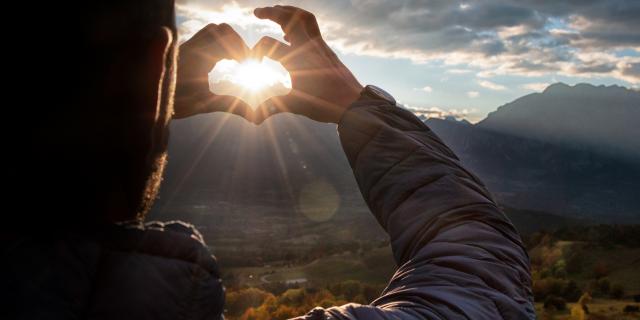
423, 243
395, 164
364, 145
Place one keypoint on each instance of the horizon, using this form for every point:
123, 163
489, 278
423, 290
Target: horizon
461, 68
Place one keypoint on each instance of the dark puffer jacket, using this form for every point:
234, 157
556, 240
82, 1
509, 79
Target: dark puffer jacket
459, 257
135, 271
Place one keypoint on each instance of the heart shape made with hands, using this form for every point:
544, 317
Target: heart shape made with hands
252, 80
322, 86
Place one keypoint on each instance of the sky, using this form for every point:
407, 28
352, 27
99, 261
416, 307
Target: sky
459, 58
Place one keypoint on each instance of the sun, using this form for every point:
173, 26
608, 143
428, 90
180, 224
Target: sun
253, 81
255, 75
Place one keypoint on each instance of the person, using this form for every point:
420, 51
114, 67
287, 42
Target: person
83, 249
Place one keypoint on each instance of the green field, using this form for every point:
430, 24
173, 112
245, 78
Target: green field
599, 309
621, 264
374, 267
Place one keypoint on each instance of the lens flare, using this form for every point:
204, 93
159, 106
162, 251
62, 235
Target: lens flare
319, 201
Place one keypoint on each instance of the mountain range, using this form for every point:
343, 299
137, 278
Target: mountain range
604, 119
570, 152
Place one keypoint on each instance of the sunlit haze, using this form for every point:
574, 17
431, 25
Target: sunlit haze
252, 80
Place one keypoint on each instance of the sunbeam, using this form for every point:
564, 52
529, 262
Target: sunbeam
251, 80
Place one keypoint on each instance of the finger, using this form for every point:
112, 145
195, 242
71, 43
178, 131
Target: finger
229, 43
271, 48
205, 36
230, 104
197, 37
275, 14
290, 20
220, 41
309, 19
233, 43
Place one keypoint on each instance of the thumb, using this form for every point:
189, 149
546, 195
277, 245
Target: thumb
271, 48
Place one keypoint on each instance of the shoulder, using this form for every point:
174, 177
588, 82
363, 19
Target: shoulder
353, 311
153, 270
173, 240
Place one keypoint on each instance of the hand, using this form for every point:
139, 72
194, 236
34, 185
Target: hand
198, 56
322, 87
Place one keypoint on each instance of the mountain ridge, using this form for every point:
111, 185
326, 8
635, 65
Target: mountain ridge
224, 167
601, 118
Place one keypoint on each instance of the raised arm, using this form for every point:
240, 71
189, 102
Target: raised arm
459, 257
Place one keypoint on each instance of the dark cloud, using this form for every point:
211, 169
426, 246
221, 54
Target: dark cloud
602, 23
632, 70
493, 48
520, 36
494, 15
597, 68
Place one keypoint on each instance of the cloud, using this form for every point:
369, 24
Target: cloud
265, 73
458, 71
473, 94
630, 71
194, 15
536, 86
427, 89
435, 112
494, 37
491, 86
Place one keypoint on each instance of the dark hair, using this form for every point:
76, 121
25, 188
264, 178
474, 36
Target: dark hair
82, 144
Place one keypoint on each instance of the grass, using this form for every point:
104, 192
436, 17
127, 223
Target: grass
623, 263
374, 267
599, 309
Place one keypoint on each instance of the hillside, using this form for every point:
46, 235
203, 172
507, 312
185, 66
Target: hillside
599, 118
531, 174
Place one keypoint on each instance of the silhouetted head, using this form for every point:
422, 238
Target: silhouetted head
99, 119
